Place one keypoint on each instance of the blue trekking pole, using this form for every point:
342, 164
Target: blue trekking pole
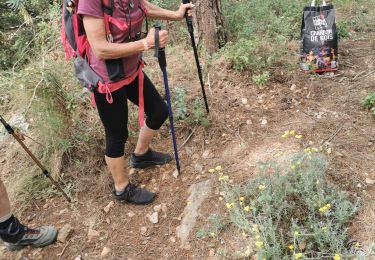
160, 54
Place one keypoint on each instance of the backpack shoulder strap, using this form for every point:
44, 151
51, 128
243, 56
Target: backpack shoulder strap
107, 6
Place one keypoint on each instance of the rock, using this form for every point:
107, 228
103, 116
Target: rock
108, 221
64, 233
105, 253
172, 239
78, 258
131, 214
143, 231
293, 87
198, 193
264, 122
206, 154
92, 234
175, 174
157, 208
108, 207
244, 101
164, 209
198, 168
249, 122
154, 218
370, 181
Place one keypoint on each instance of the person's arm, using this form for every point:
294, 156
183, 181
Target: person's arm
95, 31
156, 12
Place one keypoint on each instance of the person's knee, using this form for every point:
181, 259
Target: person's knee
157, 119
115, 144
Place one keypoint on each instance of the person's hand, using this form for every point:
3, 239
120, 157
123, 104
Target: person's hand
180, 14
163, 38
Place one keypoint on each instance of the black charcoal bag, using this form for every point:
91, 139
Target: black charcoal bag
319, 39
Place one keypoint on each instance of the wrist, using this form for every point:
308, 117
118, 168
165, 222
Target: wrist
145, 45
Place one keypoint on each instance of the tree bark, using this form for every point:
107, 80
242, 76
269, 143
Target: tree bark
209, 24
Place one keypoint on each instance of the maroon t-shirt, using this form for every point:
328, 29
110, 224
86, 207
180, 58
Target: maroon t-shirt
128, 11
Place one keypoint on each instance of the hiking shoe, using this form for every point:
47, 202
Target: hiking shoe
39, 237
150, 158
135, 195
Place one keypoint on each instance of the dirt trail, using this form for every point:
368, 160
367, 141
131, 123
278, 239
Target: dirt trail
242, 132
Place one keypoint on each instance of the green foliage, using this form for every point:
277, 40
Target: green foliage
199, 115
369, 103
180, 109
293, 211
256, 54
261, 79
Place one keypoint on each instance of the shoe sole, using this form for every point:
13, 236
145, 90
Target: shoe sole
148, 164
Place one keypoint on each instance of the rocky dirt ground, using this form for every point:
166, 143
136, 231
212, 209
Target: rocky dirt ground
246, 124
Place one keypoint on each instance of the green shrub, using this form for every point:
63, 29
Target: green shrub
261, 79
369, 103
293, 211
256, 54
198, 114
180, 109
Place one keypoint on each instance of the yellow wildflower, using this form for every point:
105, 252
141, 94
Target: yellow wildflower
242, 199
296, 233
325, 229
357, 245
293, 132
293, 167
224, 178
315, 150
247, 208
257, 237
255, 228
291, 247
211, 170
307, 150
188, 202
285, 135
218, 168
299, 163
229, 205
337, 257
298, 256
262, 187
325, 208
299, 136
259, 244
244, 234
212, 234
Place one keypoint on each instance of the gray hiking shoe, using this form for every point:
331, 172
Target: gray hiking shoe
38, 237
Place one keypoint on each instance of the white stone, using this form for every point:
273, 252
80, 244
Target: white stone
154, 218
64, 233
131, 214
105, 253
370, 181
108, 207
244, 101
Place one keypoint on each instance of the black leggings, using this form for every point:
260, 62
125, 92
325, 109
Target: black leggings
115, 116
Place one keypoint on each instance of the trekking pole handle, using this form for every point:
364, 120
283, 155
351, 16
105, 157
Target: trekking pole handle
159, 52
189, 19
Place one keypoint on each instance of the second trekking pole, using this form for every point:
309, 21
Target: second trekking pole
45, 172
160, 54
189, 22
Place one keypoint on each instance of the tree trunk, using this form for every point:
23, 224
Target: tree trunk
209, 24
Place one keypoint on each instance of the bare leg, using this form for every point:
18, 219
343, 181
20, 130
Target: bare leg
117, 168
4, 203
144, 140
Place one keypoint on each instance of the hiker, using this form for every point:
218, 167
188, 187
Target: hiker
15, 235
116, 47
